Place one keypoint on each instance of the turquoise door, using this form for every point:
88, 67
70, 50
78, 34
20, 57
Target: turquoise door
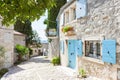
71, 54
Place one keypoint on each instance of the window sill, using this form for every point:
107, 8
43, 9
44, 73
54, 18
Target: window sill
93, 60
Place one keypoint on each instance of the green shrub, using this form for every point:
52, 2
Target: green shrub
3, 71
56, 61
21, 50
82, 72
67, 28
30, 51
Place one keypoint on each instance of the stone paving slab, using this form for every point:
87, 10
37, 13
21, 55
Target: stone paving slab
39, 68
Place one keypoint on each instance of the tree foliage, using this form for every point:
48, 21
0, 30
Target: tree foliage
13, 10
26, 28
36, 39
52, 14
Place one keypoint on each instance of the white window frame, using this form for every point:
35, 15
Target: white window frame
100, 38
93, 55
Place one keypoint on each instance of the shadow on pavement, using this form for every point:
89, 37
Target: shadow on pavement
39, 60
13, 70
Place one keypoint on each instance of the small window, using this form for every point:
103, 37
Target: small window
63, 19
67, 17
74, 14
35, 50
93, 49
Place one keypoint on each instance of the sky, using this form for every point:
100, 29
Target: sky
40, 27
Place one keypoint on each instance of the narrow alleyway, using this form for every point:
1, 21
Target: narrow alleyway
39, 68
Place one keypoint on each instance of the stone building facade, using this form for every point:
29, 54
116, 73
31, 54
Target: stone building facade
53, 47
7, 41
19, 38
44, 48
96, 23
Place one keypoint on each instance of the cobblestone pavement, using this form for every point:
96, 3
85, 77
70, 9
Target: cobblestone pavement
39, 68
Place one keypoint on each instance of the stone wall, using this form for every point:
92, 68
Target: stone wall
18, 39
101, 70
7, 41
103, 19
53, 48
36, 51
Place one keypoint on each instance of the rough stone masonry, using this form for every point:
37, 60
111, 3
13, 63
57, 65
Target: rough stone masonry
103, 18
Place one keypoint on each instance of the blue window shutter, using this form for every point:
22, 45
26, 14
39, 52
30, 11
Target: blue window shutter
81, 8
79, 47
62, 46
109, 51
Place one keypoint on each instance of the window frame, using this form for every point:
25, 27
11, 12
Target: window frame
93, 38
74, 14
93, 41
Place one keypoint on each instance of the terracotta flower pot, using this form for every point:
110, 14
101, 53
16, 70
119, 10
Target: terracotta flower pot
70, 33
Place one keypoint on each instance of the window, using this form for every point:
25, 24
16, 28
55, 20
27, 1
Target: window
63, 19
67, 17
93, 49
35, 50
74, 14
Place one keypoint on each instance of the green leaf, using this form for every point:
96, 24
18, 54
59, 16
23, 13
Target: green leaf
13, 10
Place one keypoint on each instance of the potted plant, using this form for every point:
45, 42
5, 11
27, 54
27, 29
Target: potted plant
55, 61
21, 50
68, 30
82, 73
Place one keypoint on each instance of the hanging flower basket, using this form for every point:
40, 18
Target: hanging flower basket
68, 31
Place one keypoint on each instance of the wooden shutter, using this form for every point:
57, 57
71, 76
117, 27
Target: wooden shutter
81, 8
109, 51
79, 47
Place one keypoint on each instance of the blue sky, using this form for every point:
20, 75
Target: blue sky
40, 27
